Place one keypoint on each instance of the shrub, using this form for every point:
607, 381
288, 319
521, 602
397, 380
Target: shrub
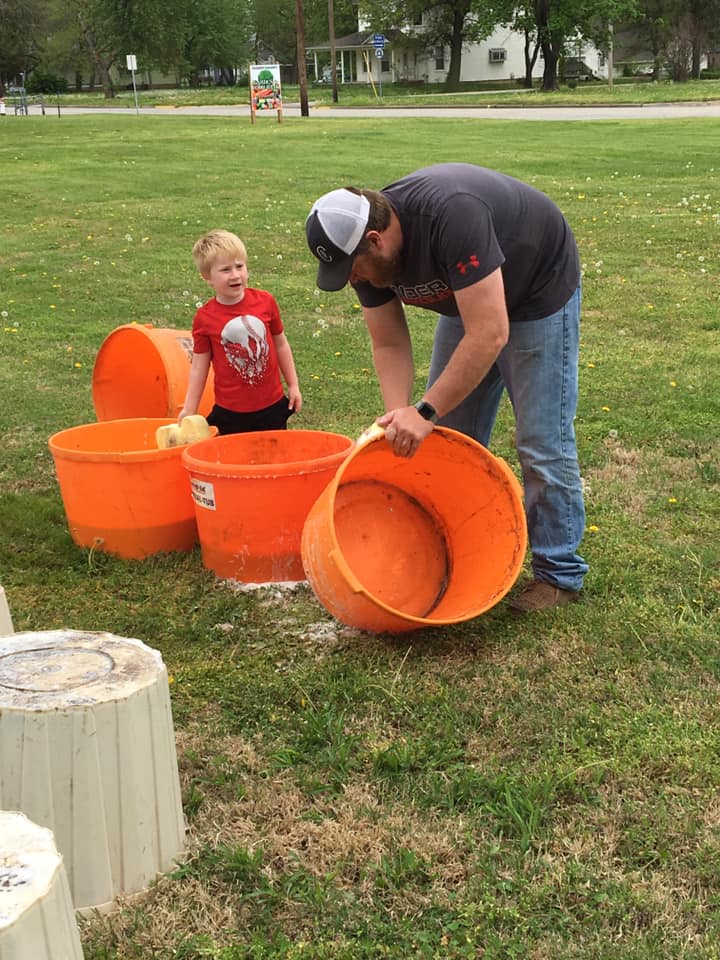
43, 81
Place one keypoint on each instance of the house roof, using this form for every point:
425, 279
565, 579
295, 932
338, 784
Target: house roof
354, 41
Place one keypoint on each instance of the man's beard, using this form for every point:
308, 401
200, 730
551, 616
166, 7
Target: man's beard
386, 273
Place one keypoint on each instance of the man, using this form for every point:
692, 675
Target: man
496, 259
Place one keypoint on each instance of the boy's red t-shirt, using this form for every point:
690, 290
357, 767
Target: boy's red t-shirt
240, 340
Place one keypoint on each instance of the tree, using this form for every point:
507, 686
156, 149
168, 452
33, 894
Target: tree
559, 22
22, 26
446, 23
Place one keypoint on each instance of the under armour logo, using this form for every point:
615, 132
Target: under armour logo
322, 254
472, 262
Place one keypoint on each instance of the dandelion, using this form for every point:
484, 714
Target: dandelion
314, 377
672, 499
337, 353
4, 314
593, 529
612, 434
673, 383
606, 409
77, 365
52, 306
591, 366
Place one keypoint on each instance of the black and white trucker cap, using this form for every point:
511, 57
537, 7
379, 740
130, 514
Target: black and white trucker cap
334, 228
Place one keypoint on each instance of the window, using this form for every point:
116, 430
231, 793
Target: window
439, 58
498, 54
417, 20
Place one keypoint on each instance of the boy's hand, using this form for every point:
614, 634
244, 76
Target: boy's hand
294, 399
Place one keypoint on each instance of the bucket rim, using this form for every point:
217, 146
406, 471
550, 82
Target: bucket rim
350, 577
193, 463
55, 443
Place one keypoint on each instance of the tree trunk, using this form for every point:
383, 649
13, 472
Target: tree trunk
452, 81
550, 80
530, 60
550, 53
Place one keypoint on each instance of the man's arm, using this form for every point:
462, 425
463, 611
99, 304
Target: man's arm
392, 352
484, 316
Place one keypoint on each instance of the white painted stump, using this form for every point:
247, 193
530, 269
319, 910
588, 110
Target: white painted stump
36, 914
6, 626
87, 749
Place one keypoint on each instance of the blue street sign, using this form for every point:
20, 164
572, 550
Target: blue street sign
378, 40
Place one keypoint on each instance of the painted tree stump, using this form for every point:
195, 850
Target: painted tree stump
87, 749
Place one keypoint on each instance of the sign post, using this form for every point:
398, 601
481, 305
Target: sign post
265, 89
379, 44
131, 61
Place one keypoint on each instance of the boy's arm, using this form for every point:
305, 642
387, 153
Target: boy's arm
286, 363
199, 369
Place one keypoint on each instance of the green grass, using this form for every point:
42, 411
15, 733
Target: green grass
363, 95
504, 788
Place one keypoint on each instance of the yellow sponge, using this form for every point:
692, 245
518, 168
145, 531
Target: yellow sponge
189, 430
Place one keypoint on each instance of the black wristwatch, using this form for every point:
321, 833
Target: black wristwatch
427, 411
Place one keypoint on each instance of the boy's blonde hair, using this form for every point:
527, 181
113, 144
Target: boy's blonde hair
215, 244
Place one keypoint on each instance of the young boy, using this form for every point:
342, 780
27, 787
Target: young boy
240, 332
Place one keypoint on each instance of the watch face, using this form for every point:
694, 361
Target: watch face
427, 411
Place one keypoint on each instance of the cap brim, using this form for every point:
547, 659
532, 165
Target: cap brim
334, 276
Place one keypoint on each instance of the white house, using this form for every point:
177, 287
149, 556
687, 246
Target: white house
405, 59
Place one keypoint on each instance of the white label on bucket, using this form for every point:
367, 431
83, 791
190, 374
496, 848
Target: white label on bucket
203, 493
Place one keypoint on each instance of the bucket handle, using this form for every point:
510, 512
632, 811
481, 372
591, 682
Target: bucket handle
373, 432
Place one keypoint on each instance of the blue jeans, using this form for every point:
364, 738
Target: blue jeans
539, 368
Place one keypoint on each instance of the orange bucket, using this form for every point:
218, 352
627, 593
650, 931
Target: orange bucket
252, 493
143, 371
394, 544
121, 494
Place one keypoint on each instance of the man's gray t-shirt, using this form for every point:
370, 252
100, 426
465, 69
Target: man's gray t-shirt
460, 223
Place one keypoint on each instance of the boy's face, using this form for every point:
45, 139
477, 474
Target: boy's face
228, 276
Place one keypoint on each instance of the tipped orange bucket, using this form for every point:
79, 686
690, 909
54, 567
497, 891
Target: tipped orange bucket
143, 371
121, 494
253, 492
394, 544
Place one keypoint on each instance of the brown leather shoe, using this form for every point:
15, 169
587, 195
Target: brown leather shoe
539, 595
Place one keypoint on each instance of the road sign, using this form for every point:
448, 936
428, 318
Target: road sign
378, 40
131, 61
379, 53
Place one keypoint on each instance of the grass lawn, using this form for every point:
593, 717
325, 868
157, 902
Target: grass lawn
506, 788
363, 95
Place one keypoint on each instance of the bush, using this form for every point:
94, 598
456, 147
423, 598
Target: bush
43, 81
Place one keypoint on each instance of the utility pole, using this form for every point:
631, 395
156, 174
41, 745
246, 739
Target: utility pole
333, 64
302, 69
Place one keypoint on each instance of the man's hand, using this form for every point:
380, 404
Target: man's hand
405, 430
